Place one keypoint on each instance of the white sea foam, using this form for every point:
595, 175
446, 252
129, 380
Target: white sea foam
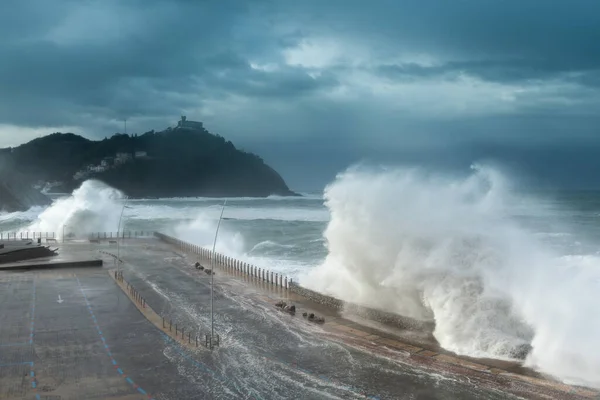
93, 207
243, 211
446, 249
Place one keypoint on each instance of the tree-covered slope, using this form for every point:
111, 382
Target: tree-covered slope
172, 163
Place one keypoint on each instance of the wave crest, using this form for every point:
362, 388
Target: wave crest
445, 249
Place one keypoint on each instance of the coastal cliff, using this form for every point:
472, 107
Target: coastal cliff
178, 162
15, 195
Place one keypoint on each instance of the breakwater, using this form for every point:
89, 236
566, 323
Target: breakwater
231, 264
228, 263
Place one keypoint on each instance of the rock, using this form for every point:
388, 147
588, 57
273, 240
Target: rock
290, 309
280, 304
17, 195
313, 318
521, 351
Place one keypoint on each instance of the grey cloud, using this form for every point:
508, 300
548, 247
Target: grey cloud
500, 41
187, 48
90, 64
470, 28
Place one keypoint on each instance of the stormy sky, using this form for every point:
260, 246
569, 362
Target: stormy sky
315, 85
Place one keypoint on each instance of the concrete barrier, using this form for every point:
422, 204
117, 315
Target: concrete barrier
230, 264
362, 311
52, 265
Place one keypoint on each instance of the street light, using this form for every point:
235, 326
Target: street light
63, 233
118, 230
212, 279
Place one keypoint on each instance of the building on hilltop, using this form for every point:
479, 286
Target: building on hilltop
141, 154
122, 158
191, 125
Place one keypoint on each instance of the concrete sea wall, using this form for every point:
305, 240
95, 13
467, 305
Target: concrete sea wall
232, 264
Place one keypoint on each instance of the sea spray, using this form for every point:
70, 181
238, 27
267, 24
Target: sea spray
202, 229
447, 249
93, 207
230, 241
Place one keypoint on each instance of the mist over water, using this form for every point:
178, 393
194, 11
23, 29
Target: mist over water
494, 268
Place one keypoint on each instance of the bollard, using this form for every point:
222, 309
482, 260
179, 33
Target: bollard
189, 338
182, 329
163, 318
196, 340
170, 324
175, 329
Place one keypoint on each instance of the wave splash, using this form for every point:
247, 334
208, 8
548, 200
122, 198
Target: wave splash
447, 250
93, 207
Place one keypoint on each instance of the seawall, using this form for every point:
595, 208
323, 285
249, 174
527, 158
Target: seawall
277, 280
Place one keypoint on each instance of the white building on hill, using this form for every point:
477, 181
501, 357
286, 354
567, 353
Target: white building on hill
191, 125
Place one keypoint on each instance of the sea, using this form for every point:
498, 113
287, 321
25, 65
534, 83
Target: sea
495, 263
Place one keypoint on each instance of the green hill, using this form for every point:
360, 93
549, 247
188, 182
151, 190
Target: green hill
176, 162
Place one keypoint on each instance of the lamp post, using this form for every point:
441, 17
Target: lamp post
118, 238
63, 233
212, 279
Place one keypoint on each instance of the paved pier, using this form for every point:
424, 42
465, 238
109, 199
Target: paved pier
76, 333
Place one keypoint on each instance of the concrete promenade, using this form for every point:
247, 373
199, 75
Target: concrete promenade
77, 333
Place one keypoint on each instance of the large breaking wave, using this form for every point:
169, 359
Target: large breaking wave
93, 207
446, 249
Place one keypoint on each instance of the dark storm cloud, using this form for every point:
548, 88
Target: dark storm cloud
169, 56
68, 57
565, 32
499, 41
374, 79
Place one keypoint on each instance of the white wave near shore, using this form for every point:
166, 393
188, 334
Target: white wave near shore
445, 249
93, 207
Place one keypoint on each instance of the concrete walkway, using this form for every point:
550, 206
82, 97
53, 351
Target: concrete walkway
78, 334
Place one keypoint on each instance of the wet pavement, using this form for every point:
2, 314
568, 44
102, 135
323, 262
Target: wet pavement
74, 334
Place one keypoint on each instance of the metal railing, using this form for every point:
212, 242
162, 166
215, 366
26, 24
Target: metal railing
26, 235
29, 235
228, 263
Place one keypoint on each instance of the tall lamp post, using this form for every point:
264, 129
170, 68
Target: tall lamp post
63, 233
119, 230
212, 279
